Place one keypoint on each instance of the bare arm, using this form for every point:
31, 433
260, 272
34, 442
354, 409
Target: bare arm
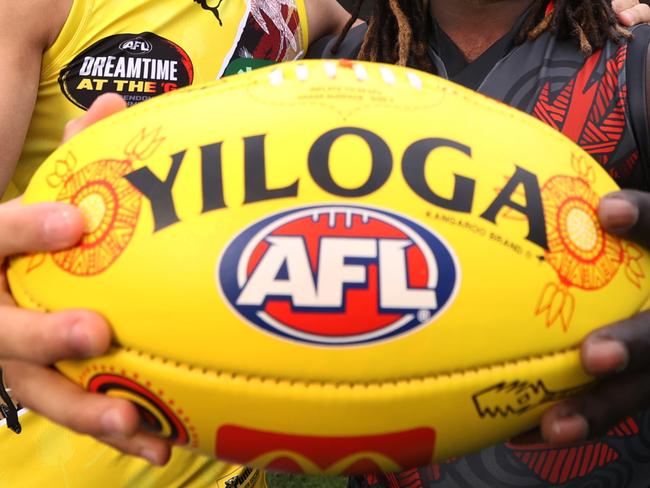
32, 340
325, 17
27, 28
631, 12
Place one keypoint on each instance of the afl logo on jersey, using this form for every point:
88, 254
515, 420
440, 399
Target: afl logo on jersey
338, 275
136, 46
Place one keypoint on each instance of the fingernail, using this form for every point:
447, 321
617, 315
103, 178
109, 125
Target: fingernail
603, 356
58, 226
618, 214
572, 428
112, 423
151, 456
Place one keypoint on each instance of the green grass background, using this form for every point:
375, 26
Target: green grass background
295, 481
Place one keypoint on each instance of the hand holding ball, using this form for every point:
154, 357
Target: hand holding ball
334, 267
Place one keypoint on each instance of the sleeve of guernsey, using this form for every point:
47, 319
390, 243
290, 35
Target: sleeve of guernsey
45, 454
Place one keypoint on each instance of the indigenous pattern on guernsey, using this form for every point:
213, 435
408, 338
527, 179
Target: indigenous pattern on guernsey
585, 100
271, 34
620, 459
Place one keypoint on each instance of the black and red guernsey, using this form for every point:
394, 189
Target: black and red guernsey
600, 103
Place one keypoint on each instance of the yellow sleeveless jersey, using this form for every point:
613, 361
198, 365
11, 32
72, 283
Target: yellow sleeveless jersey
47, 455
140, 49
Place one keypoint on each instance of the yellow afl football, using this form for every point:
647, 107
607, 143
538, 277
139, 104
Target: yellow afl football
334, 267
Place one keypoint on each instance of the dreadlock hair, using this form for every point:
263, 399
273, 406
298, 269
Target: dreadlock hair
398, 30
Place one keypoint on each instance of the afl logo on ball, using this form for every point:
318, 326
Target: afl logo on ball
338, 275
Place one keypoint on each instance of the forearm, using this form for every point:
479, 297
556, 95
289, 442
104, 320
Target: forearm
23, 39
326, 18
17, 100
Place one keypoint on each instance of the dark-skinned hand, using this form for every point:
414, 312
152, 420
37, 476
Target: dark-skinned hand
618, 354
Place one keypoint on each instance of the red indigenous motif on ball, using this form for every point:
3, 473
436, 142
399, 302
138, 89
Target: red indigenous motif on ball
111, 206
580, 252
108, 201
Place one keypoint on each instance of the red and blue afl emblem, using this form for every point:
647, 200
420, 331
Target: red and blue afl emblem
338, 275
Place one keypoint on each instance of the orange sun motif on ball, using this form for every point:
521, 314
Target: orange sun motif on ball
582, 254
108, 201
110, 205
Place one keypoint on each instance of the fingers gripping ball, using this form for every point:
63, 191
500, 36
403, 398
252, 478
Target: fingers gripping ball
324, 267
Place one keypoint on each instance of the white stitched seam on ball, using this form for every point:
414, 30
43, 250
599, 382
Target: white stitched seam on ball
415, 80
330, 69
276, 77
199, 91
388, 76
360, 72
302, 72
